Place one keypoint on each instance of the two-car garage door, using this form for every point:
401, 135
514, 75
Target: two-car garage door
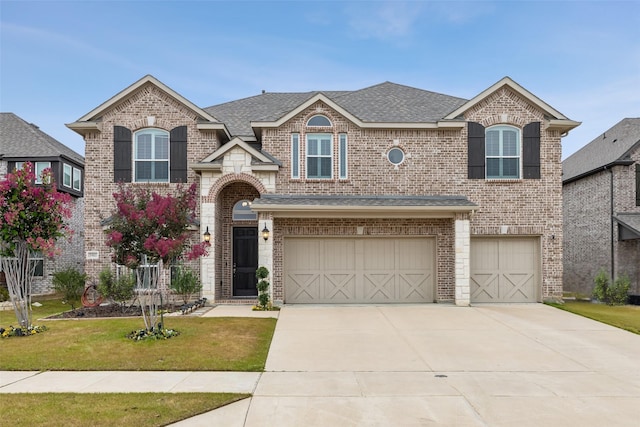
359, 270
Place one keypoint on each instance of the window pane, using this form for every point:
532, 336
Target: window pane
162, 148
493, 168
143, 150
318, 121
493, 143
38, 266
161, 171
143, 171
77, 179
295, 156
326, 147
312, 167
312, 148
66, 180
325, 167
144, 137
509, 143
343, 156
510, 168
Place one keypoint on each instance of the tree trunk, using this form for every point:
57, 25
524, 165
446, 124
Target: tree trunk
19, 275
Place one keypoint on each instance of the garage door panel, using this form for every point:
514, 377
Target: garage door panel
505, 269
359, 270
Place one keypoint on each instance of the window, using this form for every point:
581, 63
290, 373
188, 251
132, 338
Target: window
342, 138
242, 211
77, 179
151, 156
502, 152
66, 175
295, 155
38, 168
319, 156
36, 262
147, 274
395, 156
319, 121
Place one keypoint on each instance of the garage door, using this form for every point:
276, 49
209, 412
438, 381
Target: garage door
359, 270
505, 269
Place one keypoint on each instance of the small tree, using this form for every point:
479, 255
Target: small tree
611, 294
117, 289
32, 218
185, 283
262, 273
70, 283
147, 231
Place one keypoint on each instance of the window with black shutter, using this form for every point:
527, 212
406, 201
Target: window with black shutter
476, 150
178, 154
121, 154
531, 150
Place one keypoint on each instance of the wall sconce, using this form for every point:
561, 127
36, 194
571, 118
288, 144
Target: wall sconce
207, 236
265, 232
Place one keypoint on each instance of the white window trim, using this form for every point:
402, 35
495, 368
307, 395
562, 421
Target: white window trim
519, 156
73, 180
154, 131
306, 158
318, 126
295, 156
67, 169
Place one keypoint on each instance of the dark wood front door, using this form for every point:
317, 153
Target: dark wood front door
245, 261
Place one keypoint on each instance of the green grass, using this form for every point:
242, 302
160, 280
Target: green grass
204, 344
624, 317
107, 409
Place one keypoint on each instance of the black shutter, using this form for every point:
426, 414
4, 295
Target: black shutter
637, 184
476, 150
178, 154
121, 154
531, 150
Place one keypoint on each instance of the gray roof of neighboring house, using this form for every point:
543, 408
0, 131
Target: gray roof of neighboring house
612, 146
402, 201
386, 102
21, 139
631, 221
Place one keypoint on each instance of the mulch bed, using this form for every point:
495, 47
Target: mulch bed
100, 311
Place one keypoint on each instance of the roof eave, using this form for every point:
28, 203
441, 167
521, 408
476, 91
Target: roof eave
618, 162
83, 128
355, 211
562, 125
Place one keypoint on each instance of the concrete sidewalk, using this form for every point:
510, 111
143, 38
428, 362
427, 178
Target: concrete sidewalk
408, 365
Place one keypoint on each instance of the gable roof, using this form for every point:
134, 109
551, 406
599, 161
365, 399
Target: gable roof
383, 104
88, 122
19, 139
557, 119
612, 147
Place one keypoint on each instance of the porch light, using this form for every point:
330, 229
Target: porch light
265, 232
207, 236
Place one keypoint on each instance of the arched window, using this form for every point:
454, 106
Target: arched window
319, 120
242, 211
502, 152
151, 155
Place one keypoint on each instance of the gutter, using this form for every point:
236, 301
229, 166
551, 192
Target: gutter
599, 169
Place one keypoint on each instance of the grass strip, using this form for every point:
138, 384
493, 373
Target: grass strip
107, 409
625, 317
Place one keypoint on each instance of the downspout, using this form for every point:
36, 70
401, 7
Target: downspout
613, 265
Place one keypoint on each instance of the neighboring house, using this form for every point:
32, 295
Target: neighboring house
383, 194
22, 142
601, 191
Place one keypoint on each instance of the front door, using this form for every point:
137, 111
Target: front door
245, 261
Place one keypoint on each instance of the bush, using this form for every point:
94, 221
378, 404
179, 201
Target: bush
4, 294
70, 283
119, 290
604, 291
185, 283
263, 286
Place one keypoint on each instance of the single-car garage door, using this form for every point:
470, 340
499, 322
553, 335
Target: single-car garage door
359, 270
505, 269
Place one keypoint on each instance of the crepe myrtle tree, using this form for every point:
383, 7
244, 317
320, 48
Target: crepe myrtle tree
146, 232
32, 218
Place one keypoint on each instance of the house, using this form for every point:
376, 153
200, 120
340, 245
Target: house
22, 142
383, 194
601, 210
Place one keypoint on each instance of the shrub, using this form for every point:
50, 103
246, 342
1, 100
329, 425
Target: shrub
119, 290
4, 294
185, 283
70, 283
604, 291
263, 287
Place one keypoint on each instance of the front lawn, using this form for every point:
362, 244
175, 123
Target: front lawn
623, 317
204, 344
108, 409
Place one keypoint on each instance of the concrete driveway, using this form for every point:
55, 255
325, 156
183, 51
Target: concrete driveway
419, 365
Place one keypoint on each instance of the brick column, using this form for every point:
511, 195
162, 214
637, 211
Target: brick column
463, 262
208, 262
265, 250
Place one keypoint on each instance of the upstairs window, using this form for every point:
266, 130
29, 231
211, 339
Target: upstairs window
319, 156
502, 152
77, 179
319, 120
151, 156
66, 175
38, 169
295, 155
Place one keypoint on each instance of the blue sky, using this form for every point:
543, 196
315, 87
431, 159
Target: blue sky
61, 59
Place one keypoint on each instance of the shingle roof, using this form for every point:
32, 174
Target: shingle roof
630, 220
383, 103
21, 139
612, 146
